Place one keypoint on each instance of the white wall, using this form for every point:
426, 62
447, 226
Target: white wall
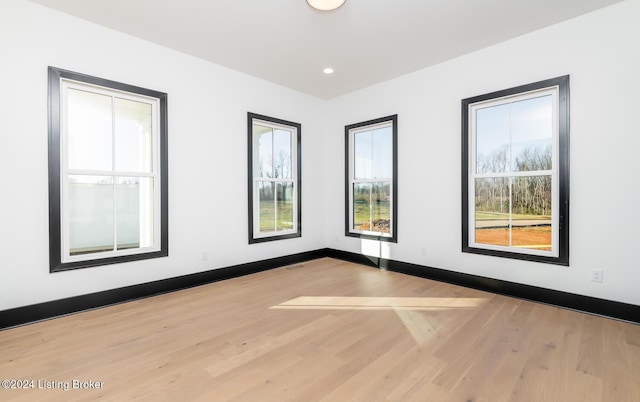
207, 153
600, 51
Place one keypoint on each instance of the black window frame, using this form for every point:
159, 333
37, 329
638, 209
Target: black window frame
55, 75
394, 191
562, 83
250, 188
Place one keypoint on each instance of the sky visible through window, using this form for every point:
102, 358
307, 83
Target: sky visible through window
373, 156
506, 131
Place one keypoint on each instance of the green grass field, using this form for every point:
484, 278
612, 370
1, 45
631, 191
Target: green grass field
267, 216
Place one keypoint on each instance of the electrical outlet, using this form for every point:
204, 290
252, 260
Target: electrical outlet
423, 251
204, 256
596, 275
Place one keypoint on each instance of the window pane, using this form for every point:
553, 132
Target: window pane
380, 207
362, 206
382, 148
90, 214
133, 136
531, 212
266, 206
282, 154
284, 200
89, 130
492, 139
531, 133
492, 211
363, 166
262, 151
134, 212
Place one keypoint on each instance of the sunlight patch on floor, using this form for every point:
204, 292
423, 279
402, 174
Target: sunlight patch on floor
380, 303
421, 327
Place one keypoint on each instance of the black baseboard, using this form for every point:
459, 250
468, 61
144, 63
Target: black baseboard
56, 308
587, 304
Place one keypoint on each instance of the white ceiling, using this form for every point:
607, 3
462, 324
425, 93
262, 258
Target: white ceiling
365, 41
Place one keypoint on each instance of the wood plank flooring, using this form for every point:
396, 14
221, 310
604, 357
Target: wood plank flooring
326, 330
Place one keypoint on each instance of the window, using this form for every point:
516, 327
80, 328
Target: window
515, 172
370, 179
274, 179
107, 172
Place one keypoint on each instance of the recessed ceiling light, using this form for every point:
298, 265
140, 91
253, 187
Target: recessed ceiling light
325, 5
328, 70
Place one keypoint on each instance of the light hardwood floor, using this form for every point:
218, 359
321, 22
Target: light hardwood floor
326, 330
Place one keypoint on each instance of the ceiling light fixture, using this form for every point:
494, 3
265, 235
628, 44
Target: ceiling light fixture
328, 70
325, 5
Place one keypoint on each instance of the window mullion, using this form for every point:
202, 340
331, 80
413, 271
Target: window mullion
275, 186
370, 208
510, 212
524, 173
509, 169
371, 184
113, 170
275, 206
385, 179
